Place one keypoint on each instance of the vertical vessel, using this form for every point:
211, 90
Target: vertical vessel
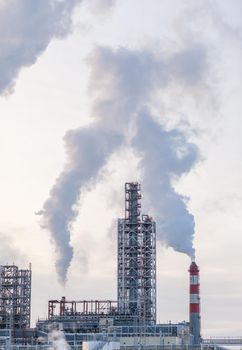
136, 260
195, 320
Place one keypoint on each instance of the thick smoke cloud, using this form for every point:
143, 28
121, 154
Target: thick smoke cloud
122, 84
26, 29
87, 149
164, 157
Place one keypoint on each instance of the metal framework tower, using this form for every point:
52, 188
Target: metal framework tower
136, 260
15, 297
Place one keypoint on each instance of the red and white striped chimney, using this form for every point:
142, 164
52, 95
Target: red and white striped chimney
195, 323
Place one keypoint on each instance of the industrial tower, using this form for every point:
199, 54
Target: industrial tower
195, 323
15, 297
136, 260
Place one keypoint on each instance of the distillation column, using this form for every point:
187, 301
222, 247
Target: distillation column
136, 260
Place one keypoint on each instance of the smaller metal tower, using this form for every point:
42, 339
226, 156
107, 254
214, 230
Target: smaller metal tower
15, 297
195, 322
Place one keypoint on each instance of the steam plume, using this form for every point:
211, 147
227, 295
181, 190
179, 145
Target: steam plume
88, 149
164, 157
122, 83
26, 29
57, 339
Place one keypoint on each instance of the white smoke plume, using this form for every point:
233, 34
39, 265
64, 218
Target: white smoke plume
88, 150
164, 157
122, 84
26, 29
58, 341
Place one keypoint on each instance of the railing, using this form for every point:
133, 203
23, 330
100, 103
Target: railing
223, 340
34, 347
127, 347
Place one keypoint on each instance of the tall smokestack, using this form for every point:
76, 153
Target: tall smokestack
195, 323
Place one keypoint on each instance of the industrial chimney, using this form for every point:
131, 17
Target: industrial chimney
195, 322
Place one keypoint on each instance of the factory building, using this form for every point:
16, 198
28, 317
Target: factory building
97, 320
129, 321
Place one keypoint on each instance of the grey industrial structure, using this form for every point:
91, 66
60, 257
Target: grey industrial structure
136, 260
15, 297
130, 320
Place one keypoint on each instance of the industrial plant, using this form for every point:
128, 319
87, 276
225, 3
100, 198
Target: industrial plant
128, 321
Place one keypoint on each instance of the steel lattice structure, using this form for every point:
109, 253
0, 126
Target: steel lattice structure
64, 307
15, 297
136, 260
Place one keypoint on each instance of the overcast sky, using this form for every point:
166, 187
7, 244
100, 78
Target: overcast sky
96, 93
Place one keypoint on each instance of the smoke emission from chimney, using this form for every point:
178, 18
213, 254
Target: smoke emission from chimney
122, 83
88, 150
165, 156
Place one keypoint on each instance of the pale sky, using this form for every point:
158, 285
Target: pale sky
52, 80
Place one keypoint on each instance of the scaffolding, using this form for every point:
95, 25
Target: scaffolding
15, 297
64, 307
136, 260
